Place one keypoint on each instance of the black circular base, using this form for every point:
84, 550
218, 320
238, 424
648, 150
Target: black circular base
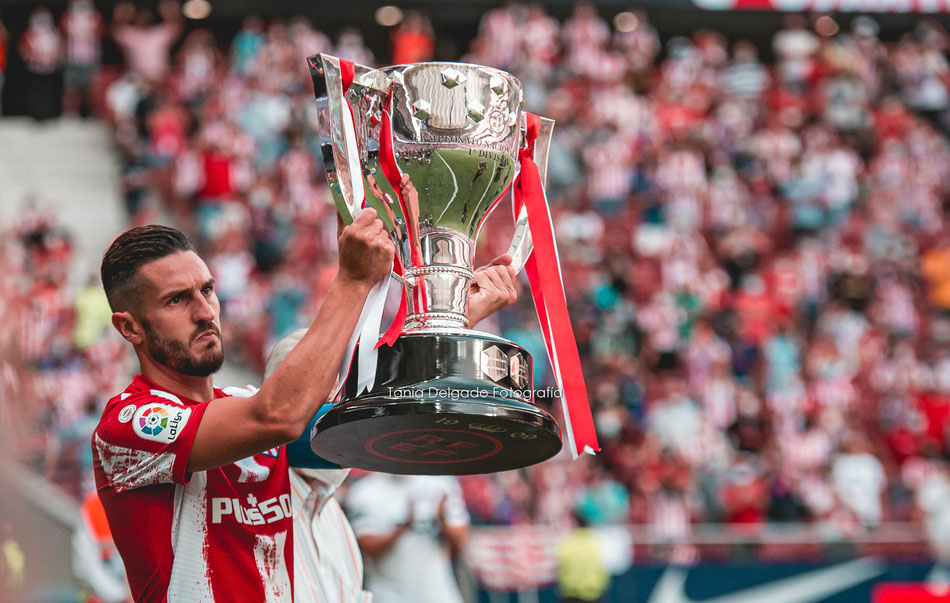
429, 435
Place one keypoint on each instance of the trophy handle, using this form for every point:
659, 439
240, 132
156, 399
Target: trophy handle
341, 154
521, 244
340, 147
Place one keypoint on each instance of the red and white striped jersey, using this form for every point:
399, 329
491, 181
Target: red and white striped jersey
224, 534
328, 567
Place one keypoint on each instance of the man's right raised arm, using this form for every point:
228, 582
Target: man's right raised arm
235, 428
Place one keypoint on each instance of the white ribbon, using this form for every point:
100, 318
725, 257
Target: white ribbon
367, 334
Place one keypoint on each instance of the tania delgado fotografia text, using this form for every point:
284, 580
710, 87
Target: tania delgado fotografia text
450, 393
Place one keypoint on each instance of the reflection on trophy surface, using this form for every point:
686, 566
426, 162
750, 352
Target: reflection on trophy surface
433, 148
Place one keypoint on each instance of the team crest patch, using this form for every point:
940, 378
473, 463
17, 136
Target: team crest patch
159, 422
126, 414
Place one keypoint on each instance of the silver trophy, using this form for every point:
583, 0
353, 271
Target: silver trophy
433, 148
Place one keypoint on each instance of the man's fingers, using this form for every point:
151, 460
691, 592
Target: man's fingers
497, 284
496, 279
502, 260
366, 217
481, 280
367, 223
505, 281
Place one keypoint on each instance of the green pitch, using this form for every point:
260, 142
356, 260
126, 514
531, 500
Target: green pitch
454, 187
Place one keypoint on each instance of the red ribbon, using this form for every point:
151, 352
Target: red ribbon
547, 289
387, 163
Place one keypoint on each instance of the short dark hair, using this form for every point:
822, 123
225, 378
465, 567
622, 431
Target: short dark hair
130, 251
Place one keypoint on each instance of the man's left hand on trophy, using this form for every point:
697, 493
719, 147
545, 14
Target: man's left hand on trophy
493, 288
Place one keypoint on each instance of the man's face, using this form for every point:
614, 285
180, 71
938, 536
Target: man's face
180, 315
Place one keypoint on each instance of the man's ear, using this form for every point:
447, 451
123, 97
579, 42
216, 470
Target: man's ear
127, 326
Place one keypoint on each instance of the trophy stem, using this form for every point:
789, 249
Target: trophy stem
437, 290
437, 298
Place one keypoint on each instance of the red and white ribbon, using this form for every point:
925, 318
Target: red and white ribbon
393, 175
366, 333
543, 268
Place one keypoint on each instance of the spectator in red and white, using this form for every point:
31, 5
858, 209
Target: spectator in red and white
41, 47
144, 43
308, 40
640, 45
198, 64
795, 47
350, 46
83, 27
587, 54
499, 35
921, 70
743, 494
540, 42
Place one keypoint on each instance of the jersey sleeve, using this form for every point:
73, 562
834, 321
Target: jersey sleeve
145, 439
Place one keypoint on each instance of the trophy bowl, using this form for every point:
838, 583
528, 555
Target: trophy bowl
433, 148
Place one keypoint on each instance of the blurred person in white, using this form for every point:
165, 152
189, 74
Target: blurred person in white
858, 479
144, 44
746, 78
674, 417
795, 47
409, 527
640, 45
540, 41
929, 480
198, 64
41, 47
921, 70
350, 46
327, 563
328, 567
500, 36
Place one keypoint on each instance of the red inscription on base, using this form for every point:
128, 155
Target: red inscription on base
424, 446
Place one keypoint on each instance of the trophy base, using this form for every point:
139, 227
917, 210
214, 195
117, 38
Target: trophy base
458, 422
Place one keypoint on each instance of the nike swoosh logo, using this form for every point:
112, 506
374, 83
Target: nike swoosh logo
803, 588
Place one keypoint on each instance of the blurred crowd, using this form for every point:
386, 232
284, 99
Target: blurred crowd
757, 266
56, 351
755, 252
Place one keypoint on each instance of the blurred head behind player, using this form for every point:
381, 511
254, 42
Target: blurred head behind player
163, 301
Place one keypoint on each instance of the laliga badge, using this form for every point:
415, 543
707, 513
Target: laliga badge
126, 414
159, 422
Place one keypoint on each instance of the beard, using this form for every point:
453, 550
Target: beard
177, 356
